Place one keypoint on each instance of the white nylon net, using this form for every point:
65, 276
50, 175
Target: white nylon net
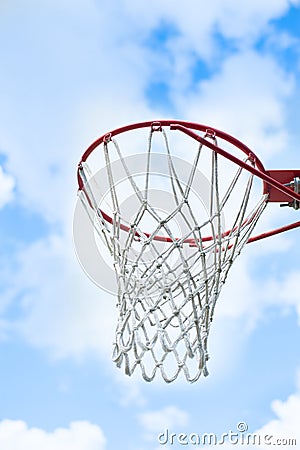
171, 247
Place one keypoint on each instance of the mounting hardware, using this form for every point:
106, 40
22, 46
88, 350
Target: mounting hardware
295, 185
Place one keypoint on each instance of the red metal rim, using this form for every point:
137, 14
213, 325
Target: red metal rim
173, 124
271, 184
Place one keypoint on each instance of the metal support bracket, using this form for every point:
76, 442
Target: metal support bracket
295, 185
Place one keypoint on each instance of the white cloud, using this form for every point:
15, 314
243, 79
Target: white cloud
197, 24
250, 18
16, 435
60, 309
170, 417
246, 98
7, 184
194, 33
285, 425
282, 41
284, 293
275, 287
129, 389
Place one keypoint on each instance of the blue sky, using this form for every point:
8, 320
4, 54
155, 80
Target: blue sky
70, 71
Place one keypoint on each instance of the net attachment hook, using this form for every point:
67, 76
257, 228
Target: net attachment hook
252, 158
107, 138
210, 133
156, 126
295, 185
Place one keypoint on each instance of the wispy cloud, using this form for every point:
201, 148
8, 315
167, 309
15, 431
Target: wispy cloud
7, 184
168, 417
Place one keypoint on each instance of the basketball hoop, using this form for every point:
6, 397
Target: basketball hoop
173, 219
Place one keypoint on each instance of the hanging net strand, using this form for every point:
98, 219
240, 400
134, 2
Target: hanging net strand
169, 283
